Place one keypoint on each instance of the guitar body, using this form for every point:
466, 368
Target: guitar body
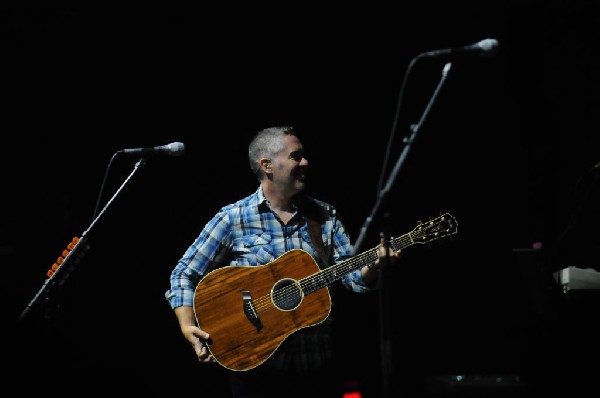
250, 311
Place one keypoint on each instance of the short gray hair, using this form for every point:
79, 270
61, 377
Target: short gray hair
267, 143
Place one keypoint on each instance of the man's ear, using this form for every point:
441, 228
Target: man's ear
266, 164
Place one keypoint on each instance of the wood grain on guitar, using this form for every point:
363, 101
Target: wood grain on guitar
250, 311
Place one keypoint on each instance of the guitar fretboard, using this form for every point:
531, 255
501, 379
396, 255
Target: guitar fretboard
331, 274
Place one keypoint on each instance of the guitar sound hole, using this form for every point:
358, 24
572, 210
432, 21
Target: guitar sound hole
286, 295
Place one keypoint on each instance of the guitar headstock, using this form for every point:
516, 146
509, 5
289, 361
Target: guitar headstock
436, 228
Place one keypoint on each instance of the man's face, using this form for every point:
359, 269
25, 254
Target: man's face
289, 168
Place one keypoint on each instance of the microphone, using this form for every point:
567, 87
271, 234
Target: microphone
483, 47
172, 149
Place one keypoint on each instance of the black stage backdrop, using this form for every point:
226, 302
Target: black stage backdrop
510, 147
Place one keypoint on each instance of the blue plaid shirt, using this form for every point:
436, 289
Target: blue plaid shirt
249, 233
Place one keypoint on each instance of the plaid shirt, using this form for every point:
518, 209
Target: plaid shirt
249, 233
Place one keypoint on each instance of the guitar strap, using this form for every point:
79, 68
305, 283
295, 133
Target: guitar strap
315, 236
315, 215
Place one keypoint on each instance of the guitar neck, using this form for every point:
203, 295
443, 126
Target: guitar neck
335, 272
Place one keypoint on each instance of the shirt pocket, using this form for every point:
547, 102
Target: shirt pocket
253, 249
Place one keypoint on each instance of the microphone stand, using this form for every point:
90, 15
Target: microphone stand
408, 141
385, 342
75, 255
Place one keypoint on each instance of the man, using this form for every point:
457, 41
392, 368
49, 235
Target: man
256, 231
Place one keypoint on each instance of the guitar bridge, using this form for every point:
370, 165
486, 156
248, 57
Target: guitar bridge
250, 311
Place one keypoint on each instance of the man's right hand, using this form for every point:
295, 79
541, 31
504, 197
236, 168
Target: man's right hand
197, 337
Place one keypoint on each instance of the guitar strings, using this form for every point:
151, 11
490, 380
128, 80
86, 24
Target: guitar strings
324, 277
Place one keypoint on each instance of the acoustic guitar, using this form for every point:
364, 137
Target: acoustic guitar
250, 310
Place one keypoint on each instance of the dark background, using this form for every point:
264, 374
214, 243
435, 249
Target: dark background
510, 147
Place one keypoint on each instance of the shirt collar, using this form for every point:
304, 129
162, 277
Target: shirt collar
260, 199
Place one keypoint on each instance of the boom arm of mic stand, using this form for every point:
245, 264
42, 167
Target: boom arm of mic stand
408, 141
59, 276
